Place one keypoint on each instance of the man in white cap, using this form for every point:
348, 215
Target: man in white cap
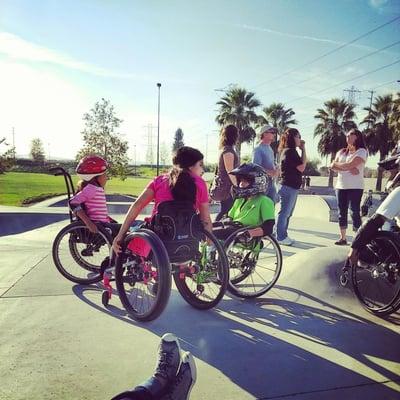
264, 155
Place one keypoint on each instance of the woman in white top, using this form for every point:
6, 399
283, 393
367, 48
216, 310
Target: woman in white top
349, 163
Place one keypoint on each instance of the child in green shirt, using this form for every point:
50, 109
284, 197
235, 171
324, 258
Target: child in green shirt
251, 207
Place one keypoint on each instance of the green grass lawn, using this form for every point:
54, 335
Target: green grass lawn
18, 186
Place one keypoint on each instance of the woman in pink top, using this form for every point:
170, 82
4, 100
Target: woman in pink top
182, 183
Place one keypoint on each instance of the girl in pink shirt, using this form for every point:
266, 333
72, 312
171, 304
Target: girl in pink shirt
89, 203
182, 183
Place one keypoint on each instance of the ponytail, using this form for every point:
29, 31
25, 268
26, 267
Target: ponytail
182, 185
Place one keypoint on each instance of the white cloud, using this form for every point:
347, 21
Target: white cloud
20, 49
378, 3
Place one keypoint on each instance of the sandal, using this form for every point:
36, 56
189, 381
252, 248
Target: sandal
341, 242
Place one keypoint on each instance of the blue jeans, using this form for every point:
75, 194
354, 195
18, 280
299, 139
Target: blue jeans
344, 198
288, 197
271, 192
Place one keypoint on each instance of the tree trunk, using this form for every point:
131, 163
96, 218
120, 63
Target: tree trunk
331, 173
378, 187
238, 150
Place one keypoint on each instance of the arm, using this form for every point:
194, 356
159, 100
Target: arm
228, 163
205, 216
354, 163
303, 157
86, 220
145, 197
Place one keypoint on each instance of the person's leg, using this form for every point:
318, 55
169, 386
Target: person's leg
225, 207
288, 200
136, 394
343, 206
292, 204
355, 196
271, 192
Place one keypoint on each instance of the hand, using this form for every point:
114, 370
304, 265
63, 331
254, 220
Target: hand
302, 144
116, 245
354, 171
255, 232
92, 227
353, 256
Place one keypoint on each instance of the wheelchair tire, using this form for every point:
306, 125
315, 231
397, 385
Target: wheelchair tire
252, 279
143, 283
376, 277
205, 286
78, 253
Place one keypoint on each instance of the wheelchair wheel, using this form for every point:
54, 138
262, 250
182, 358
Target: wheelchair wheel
254, 264
202, 282
78, 253
143, 276
376, 277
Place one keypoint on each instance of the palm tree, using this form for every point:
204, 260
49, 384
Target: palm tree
395, 117
237, 108
279, 117
335, 119
381, 129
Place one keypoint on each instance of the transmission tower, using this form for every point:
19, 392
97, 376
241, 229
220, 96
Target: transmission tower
352, 94
150, 150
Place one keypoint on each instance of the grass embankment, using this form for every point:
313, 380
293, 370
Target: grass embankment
15, 187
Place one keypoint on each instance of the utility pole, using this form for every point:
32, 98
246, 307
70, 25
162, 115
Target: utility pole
351, 97
371, 92
158, 130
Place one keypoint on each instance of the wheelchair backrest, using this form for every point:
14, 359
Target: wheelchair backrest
179, 228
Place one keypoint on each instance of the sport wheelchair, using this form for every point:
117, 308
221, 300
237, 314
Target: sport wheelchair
255, 264
78, 253
173, 243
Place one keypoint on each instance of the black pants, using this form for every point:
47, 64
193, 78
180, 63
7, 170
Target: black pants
225, 207
136, 394
352, 197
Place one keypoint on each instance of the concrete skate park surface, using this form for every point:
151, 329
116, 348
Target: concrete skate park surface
307, 338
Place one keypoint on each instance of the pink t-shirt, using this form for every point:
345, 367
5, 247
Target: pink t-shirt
94, 199
162, 192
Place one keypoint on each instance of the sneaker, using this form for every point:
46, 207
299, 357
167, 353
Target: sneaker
286, 242
184, 381
341, 242
169, 357
168, 360
293, 241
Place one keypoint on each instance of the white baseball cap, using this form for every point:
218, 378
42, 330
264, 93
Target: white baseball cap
267, 128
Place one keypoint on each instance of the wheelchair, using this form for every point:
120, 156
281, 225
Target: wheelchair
79, 254
171, 244
255, 264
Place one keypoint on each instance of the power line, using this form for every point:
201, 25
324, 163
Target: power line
346, 81
328, 53
384, 84
333, 69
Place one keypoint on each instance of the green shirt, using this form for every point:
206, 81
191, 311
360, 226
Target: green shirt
253, 211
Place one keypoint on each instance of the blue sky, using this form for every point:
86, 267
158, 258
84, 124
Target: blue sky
58, 58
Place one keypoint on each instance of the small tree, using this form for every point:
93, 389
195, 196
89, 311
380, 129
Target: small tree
178, 140
100, 137
37, 151
7, 156
164, 154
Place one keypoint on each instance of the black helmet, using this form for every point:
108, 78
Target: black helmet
255, 174
392, 163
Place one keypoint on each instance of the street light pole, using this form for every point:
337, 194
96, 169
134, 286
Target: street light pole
158, 131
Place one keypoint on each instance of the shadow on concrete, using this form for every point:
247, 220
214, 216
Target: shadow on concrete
324, 235
13, 223
276, 347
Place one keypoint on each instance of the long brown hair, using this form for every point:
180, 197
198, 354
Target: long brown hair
181, 182
228, 136
359, 142
287, 139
